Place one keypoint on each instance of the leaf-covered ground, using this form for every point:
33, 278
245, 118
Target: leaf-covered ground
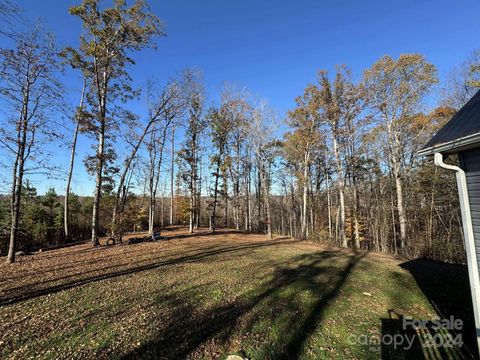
204, 297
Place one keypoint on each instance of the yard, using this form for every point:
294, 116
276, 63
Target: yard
207, 296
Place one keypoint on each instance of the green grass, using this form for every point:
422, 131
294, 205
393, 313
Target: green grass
208, 297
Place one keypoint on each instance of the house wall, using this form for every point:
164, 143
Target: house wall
470, 163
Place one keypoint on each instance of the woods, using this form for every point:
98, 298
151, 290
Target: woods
339, 168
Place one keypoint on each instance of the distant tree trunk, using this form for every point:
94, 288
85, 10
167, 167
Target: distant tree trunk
121, 184
341, 187
226, 211
329, 210
258, 189
199, 196
192, 214
172, 170
293, 216
356, 226
151, 215
394, 231
305, 194
248, 209
16, 213
98, 186
394, 154
236, 187
151, 179
401, 211
312, 212
266, 193
162, 208
215, 197
18, 179
193, 191
157, 172
72, 162
13, 202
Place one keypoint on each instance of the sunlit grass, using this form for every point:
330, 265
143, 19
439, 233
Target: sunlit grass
247, 296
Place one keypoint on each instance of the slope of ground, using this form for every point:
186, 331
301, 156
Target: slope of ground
205, 296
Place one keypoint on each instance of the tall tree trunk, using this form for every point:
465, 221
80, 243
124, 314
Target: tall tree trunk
154, 189
19, 166
72, 162
16, 212
151, 214
151, 181
312, 214
226, 212
395, 156
193, 185
162, 207
192, 193
341, 189
172, 169
248, 207
400, 209
394, 231
98, 186
236, 189
119, 202
329, 205
267, 203
215, 197
13, 203
259, 196
293, 218
198, 195
305, 195
192, 214
356, 226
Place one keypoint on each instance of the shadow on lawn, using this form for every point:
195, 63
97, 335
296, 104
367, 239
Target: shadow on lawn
278, 303
202, 254
447, 288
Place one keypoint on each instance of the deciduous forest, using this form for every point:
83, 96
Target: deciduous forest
340, 168
239, 180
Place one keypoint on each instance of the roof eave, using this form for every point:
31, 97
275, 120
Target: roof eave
454, 146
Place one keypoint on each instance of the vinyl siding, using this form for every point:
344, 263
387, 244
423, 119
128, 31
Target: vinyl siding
470, 162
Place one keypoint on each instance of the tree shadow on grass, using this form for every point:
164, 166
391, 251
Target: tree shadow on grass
117, 271
447, 288
279, 303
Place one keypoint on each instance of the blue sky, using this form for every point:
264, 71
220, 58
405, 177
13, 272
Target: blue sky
276, 47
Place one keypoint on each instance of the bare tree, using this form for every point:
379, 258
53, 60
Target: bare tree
462, 82
189, 154
342, 102
396, 91
306, 120
66, 215
173, 114
261, 135
110, 35
28, 85
163, 107
220, 127
172, 171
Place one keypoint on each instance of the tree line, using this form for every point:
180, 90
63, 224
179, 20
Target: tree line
341, 168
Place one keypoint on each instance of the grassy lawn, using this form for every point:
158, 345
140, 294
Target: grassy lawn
207, 296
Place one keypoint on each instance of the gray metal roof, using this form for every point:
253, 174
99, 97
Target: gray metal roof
465, 123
